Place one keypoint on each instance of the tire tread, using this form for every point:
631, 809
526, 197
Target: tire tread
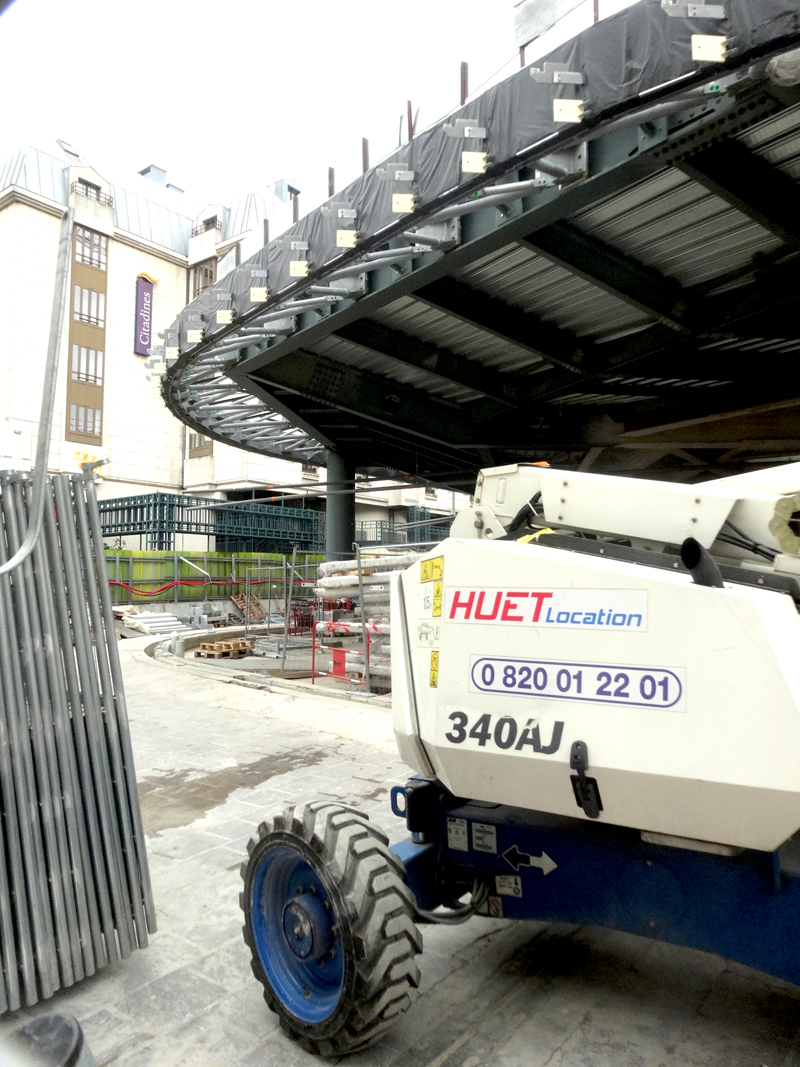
380, 909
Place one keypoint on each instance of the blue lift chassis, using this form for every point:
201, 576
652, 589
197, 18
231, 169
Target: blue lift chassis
744, 905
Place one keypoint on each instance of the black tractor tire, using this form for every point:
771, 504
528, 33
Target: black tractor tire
374, 910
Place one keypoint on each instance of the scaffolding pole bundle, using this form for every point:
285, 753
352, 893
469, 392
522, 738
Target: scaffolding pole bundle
75, 888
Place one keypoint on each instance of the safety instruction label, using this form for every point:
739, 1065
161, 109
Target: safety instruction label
427, 633
432, 570
508, 885
434, 670
458, 834
484, 837
437, 599
594, 683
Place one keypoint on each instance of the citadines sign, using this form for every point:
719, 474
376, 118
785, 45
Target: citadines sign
144, 316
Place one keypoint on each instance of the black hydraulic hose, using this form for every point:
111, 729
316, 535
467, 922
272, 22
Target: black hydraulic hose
699, 562
519, 523
480, 894
753, 546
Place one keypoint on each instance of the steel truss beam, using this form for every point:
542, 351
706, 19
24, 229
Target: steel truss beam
750, 184
371, 397
554, 345
411, 352
611, 270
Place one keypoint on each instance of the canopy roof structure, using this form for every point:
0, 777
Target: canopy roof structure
595, 263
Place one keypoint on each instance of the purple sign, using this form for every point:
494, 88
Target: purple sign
144, 316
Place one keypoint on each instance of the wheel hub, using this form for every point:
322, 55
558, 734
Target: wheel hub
308, 927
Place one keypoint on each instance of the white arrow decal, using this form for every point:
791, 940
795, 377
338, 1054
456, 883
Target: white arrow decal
516, 859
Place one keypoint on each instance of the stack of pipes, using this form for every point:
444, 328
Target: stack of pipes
75, 889
372, 591
339, 579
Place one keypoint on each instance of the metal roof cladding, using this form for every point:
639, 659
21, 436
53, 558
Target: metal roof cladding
594, 263
47, 175
149, 211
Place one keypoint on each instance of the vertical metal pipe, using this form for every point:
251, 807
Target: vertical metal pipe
55, 913
331, 182
58, 730
287, 608
92, 556
49, 387
94, 873
97, 744
364, 155
9, 989
28, 872
122, 715
464, 82
364, 634
409, 120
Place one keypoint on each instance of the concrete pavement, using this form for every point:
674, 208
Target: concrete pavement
213, 759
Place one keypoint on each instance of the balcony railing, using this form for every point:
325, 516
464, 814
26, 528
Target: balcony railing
91, 193
204, 227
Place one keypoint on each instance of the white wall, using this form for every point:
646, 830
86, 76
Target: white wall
28, 249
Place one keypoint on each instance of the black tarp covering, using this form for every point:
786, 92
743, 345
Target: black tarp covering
639, 49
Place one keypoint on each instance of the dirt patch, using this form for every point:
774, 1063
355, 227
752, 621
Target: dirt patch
178, 799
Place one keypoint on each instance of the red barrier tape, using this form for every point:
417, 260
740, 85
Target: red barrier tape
195, 584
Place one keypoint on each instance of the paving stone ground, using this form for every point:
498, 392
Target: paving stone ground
213, 759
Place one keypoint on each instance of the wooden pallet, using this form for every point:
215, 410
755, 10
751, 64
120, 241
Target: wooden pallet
230, 653
256, 612
238, 644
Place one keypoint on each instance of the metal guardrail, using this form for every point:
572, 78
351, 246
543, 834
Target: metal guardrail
204, 229
91, 194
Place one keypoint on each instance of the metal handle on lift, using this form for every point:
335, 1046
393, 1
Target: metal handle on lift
587, 793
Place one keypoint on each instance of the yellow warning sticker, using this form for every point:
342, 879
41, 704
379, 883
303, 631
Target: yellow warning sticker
438, 588
434, 669
432, 569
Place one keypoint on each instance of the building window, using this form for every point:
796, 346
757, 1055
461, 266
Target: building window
199, 445
89, 307
430, 493
87, 365
85, 420
91, 248
310, 473
203, 275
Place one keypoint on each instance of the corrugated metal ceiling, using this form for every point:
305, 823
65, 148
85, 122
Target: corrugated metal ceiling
673, 224
430, 324
530, 282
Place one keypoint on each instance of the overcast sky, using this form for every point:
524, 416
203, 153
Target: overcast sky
232, 95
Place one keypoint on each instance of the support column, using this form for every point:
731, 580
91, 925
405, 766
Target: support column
340, 507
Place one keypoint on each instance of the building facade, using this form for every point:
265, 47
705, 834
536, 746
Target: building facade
140, 252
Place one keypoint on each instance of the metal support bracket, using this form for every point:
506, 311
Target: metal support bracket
467, 129
395, 172
557, 74
587, 793
438, 235
561, 168
681, 9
